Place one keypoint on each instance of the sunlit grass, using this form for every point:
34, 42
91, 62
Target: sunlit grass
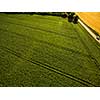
40, 50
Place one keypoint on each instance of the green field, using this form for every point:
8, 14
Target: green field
38, 50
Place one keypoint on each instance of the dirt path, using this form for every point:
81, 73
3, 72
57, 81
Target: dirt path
89, 30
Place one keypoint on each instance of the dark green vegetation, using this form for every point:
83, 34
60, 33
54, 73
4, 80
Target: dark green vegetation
40, 50
72, 17
40, 13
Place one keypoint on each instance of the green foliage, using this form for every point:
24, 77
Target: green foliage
75, 20
46, 51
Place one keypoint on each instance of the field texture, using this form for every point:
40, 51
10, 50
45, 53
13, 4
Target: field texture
45, 51
92, 19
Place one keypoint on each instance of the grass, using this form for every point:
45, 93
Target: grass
40, 50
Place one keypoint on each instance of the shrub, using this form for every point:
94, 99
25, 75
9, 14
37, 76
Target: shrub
75, 20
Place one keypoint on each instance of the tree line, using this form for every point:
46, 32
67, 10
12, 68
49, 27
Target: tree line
70, 15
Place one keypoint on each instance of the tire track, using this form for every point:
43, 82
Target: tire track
37, 28
47, 66
1, 57
90, 54
53, 56
49, 44
58, 58
87, 49
41, 29
46, 47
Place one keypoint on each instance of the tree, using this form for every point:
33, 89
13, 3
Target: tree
75, 20
70, 17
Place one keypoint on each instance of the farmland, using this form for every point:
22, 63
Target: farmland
38, 50
92, 19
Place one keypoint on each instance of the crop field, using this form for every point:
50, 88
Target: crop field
42, 51
92, 19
